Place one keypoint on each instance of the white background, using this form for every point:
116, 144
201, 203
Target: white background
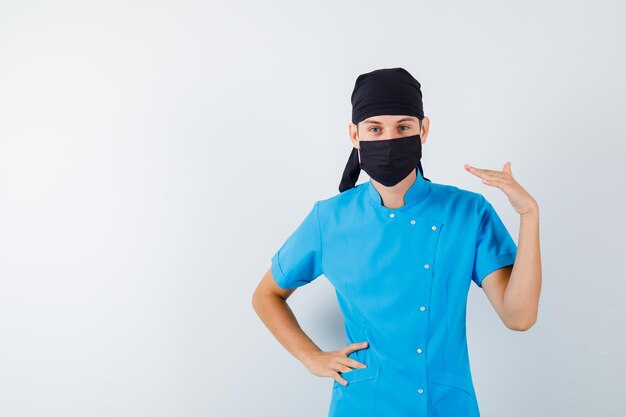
155, 155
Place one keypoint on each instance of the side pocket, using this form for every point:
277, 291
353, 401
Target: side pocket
359, 374
365, 356
450, 379
451, 394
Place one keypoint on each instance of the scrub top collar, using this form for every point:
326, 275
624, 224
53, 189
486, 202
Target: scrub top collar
415, 193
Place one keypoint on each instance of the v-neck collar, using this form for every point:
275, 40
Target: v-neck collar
414, 194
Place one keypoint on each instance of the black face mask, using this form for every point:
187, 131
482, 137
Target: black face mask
382, 165
389, 161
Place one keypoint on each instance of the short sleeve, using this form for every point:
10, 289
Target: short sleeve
495, 248
299, 260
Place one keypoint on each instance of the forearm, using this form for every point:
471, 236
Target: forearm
282, 323
521, 296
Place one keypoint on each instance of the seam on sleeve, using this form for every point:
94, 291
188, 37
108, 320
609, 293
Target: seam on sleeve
483, 216
477, 232
280, 267
319, 229
277, 270
499, 261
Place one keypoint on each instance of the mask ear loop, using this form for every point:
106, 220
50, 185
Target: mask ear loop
359, 150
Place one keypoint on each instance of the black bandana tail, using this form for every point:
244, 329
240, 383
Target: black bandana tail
350, 172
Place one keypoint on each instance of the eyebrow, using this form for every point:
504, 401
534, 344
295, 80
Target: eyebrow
379, 123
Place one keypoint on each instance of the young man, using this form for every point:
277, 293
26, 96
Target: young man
401, 252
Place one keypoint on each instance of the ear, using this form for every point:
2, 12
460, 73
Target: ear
425, 129
352, 135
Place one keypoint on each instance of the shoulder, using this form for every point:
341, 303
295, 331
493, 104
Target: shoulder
459, 199
342, 200
339, 208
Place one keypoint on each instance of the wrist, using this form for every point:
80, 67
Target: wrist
532, 211
306, 356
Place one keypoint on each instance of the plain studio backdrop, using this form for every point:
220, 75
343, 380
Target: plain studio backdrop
155, 155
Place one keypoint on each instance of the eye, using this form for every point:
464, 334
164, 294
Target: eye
370, 129
407, 127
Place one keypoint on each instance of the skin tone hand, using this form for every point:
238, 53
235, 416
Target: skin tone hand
514, 291
520, 199
270, 303
331, 363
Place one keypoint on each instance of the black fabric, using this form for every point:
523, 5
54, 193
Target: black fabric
353, 169
387, 91
389, 161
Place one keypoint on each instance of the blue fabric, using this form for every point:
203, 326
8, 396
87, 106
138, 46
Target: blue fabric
401, 277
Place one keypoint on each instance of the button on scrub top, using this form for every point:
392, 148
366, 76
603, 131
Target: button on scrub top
401, 277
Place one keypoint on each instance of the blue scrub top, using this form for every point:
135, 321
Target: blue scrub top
401, 277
